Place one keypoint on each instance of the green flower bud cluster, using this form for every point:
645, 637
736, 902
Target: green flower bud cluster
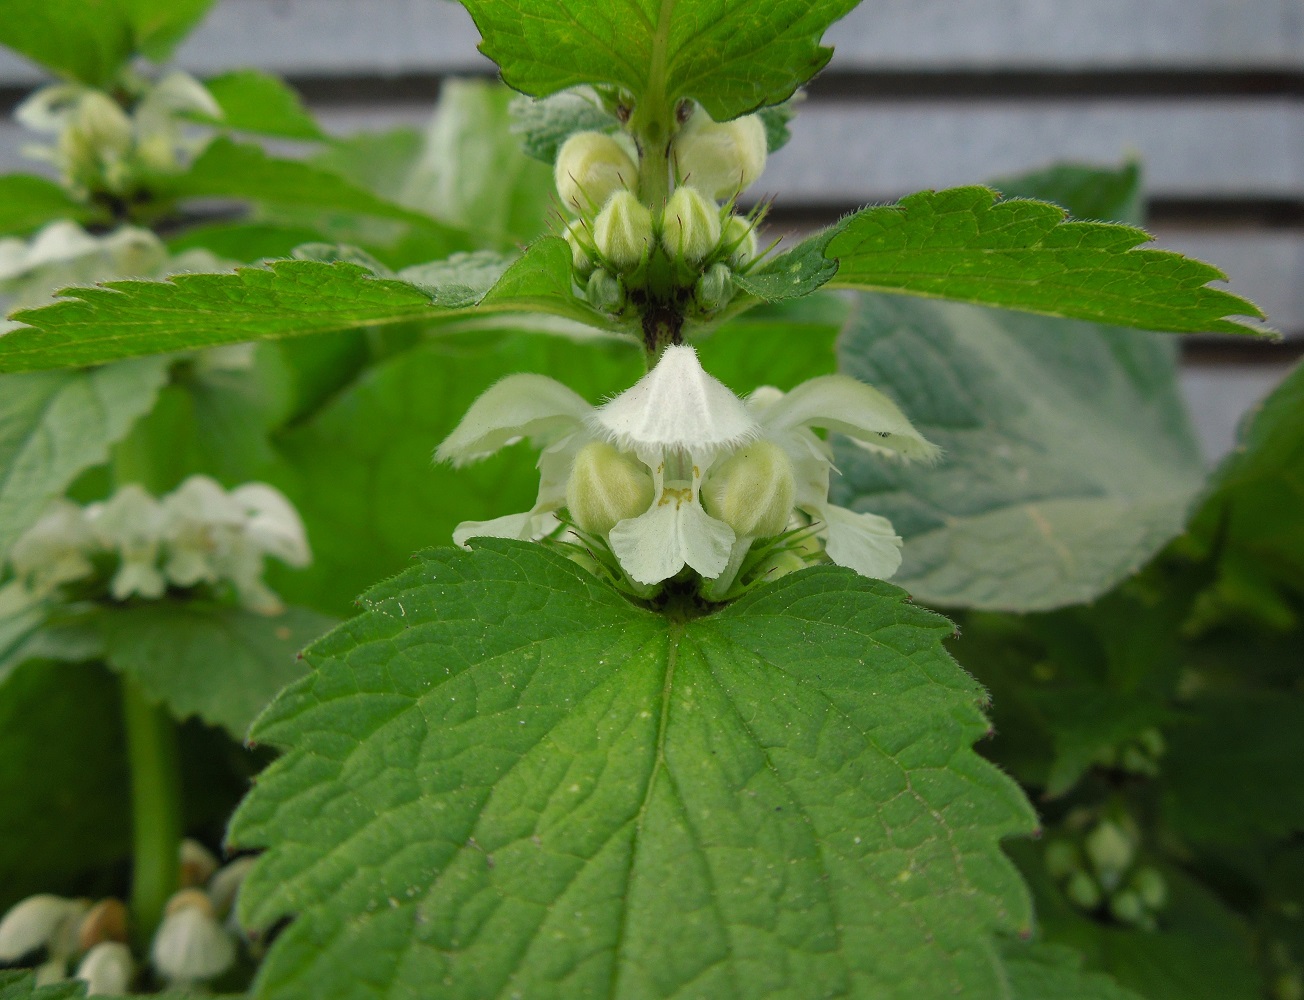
1099, 873
1139, 756
684, 255
197, 940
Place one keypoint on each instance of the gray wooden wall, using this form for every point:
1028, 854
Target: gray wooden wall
1209, 94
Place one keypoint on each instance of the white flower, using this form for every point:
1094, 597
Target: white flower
54, 550
683, 425
131, 522
199, 521
863, 542
107, 969
190, 945
41, 921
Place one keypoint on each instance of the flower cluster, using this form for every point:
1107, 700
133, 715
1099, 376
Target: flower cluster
197, 535
197, 940
1097, 867
100, 148
677, 473
685, 251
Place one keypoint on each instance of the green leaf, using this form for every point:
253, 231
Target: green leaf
91, 40
246, 242
287, 298
62, 775
20, 984
369, 500
1107, 195
27, 202
252, 101
733, 56
472, 173
1052, 972
228, 169
776, 121
1068, 459
55, 425
543, 125
1231, 773
964, 245
504, 778
791, 274
220, 663
1250, 521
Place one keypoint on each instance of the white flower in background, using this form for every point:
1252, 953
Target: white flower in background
199, 521
131, 523
272, 527
101, 146
42, 921
107, 969
637, 470
54, 550
191, 946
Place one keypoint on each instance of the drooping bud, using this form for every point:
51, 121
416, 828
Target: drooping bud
720, 158
1126, 907
690, 225
739, 238
107, 969
1149, 884
105, 921
590, 168
1111, 851
190, 945
604, 291
42, 921
197, 863
752, 491
623, 230
714, 289
606, 487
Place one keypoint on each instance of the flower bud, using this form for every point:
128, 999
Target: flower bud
739, 238
606, 487
752, 491
622, 231
714, 289
197, 863
581, 246
1111, 851
1150, 886
690, 225
190, 945
225, 885
42, 921
1062, 859
107, 969
720, 158
590, 168
1126, 907
604, 291
1083, 891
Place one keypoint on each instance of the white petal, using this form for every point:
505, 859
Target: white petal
50, 107
655, 546
273, 524
509, 526
175, 93
675, 406
866, 543
518, 406
840, 403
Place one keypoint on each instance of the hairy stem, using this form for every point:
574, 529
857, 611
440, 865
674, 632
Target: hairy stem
155, 807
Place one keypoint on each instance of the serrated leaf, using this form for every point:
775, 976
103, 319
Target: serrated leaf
520, 783
776, 119
55, 425
91, 40
1052, 972
27, 202
1068, 459
20, 984
286, 298
219, 663
252, 101
733, 56
543, 125
963, 244
1085, 192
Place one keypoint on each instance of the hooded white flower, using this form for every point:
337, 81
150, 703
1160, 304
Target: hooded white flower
683, 426
54, 550
866, 543
131, 522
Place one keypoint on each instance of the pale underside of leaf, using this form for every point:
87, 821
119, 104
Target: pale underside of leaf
503, 780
